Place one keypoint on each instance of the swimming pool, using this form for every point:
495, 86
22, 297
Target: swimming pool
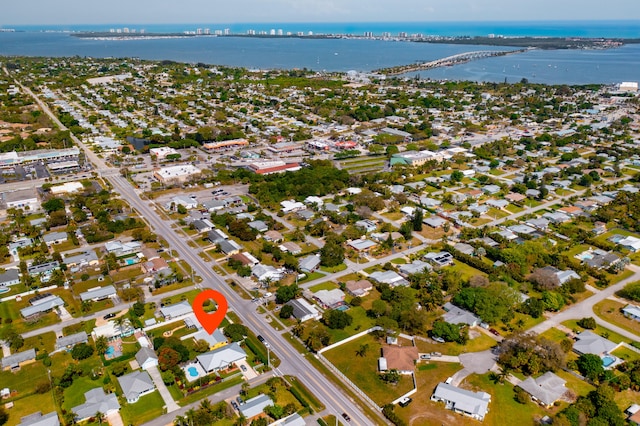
4, 290
109, 351
130, 261
607, 360
193, 372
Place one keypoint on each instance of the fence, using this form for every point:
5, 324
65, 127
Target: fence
346, 380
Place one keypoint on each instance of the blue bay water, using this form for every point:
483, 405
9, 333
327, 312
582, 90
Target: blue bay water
550, 67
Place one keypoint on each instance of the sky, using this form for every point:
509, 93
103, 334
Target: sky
68, 12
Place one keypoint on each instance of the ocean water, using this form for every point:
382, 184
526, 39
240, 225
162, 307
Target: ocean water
549, 67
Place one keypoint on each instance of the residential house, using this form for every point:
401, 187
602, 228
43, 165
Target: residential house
68, 342
266, 272
96, 402
546, 389
81, 260
181, 200
434, 221
221, 358
560, 277
303, 310
440, 259
43, 269
9, 277
358, 288
571, 211
391, 278
136, 384
289, 206
146, 358
472, 404
176, 310
98, 293
456, 315
630, 243
330, 299
632, 312
202, 225
599, 228
229, 247
539, 223
154, 265
415, 267
400, 358
361, 245
367, 225
557, 217
273, 236
491, 189
121, 249
215, 340
498, 204
14, 361
306, 214
258, 225
255, 406
38, 419
514, 197
54, 238
216, 236
41, 304
290, 247
309, 263
465, 248
588, 342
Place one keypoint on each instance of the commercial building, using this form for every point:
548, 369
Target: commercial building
269, 167
173, 174
25, 199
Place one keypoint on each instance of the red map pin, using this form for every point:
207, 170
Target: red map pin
210, 321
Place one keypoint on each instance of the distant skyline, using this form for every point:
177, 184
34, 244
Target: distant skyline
141, 12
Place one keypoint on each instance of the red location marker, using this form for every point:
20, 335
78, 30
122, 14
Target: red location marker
210, 321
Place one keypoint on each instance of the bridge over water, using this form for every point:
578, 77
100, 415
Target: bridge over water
459, 58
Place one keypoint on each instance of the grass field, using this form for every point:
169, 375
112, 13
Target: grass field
360, 323
147, 408
363, 371
29, 405
323, 286
609, 310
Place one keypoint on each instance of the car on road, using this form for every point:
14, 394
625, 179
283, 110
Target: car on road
243, 367
405, 401
261, 338
346, 417
109, 316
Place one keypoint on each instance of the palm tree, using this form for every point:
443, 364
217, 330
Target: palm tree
99, 416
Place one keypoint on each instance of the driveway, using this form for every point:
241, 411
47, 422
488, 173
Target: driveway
475, 362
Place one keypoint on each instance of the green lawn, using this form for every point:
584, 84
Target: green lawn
29, 405
147, 408
465, 271
626, 354
609, 310
341, 267
360, 323
363, 371
41, 342
504, 410
74, 394
599, 330
323, 286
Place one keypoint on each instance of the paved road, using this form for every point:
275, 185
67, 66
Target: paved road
292, 362
584, 308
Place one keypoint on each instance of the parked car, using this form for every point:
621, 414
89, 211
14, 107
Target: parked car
240, 400
437, 339
425, 356
494, 332
243, 367
235, 406
405, 401
109, 316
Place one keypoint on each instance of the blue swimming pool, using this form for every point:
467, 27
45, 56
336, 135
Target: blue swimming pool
608, 360
130, 261
109, 350
193, 372
4, 290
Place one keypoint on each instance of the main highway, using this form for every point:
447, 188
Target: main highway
292, 362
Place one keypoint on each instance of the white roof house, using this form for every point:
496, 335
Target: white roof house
546, 389
472, 404
330, 298
632, 312
96, 401
289, 206
146, 358
99, 293
630, 243
255, 406
591, 343
303, 310
456, 315
176, 310
38, 419
135, 385
221, 358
